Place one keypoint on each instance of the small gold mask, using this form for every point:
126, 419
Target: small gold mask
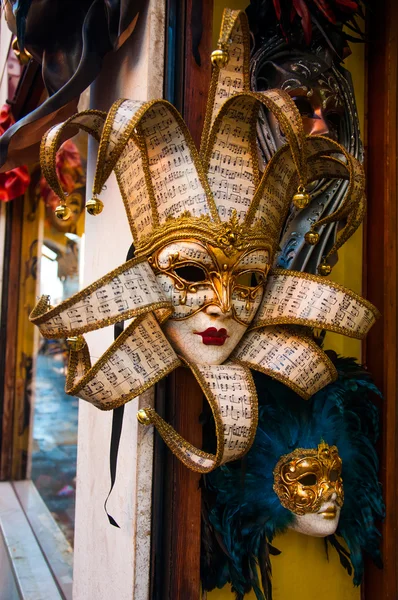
308, 477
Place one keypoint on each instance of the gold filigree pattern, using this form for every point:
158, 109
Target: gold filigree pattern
226, 279
231, 236
308, 477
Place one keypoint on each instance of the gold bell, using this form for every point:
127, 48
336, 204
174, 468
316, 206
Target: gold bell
219, 58
324, 269
63, 212
94, 206
75, 343
142, 417
312, 238
301, 198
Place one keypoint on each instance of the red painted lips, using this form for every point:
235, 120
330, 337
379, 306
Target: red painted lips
213, 336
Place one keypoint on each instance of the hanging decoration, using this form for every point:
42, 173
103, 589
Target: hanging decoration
206, 227
311, 71
70, 172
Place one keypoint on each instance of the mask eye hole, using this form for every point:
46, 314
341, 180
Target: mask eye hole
249, 279
191, 273
304, 106
334, 475
309, 479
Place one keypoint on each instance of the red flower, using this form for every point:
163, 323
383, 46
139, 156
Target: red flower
6, 118
69, 172
13, 183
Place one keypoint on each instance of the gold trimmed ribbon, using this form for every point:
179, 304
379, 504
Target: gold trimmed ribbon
287, 356
91, 121
126, 292
230, 391
156, 163
296, 298
231, 67
231, 157
140, 357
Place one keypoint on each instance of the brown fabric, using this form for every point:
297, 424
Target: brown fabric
69, 38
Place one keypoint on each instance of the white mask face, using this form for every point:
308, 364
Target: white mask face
319, 524
215, 297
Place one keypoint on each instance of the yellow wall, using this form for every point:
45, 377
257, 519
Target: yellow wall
302, 571
348, 270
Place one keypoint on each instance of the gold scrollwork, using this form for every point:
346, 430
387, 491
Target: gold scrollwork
223, 277
308, 477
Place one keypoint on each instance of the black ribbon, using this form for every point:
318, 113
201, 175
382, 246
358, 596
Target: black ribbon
117, 423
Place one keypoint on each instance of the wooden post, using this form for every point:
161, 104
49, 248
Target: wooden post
381, 271
8, 332
14, 439
177, 544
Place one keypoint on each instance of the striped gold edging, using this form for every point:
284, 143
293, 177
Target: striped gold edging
104, 168
51, 142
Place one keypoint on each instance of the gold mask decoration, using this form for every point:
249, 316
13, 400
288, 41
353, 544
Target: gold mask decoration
234, 282
307, 478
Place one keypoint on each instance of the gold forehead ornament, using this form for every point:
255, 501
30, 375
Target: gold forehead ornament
220, 197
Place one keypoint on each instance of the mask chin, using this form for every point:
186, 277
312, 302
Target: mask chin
316, 524
205, 338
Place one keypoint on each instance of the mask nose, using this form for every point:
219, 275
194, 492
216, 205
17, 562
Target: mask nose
319, 125
222, 285
213, 310
326, 488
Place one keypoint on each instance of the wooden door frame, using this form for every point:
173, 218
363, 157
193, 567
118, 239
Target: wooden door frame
27, 98
176, 520
380, 271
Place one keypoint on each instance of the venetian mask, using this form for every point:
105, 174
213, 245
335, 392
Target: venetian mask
308, 483
206, 227
215, 296
314, 89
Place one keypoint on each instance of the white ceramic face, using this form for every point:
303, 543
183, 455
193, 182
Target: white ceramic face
319, 524
215, 297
